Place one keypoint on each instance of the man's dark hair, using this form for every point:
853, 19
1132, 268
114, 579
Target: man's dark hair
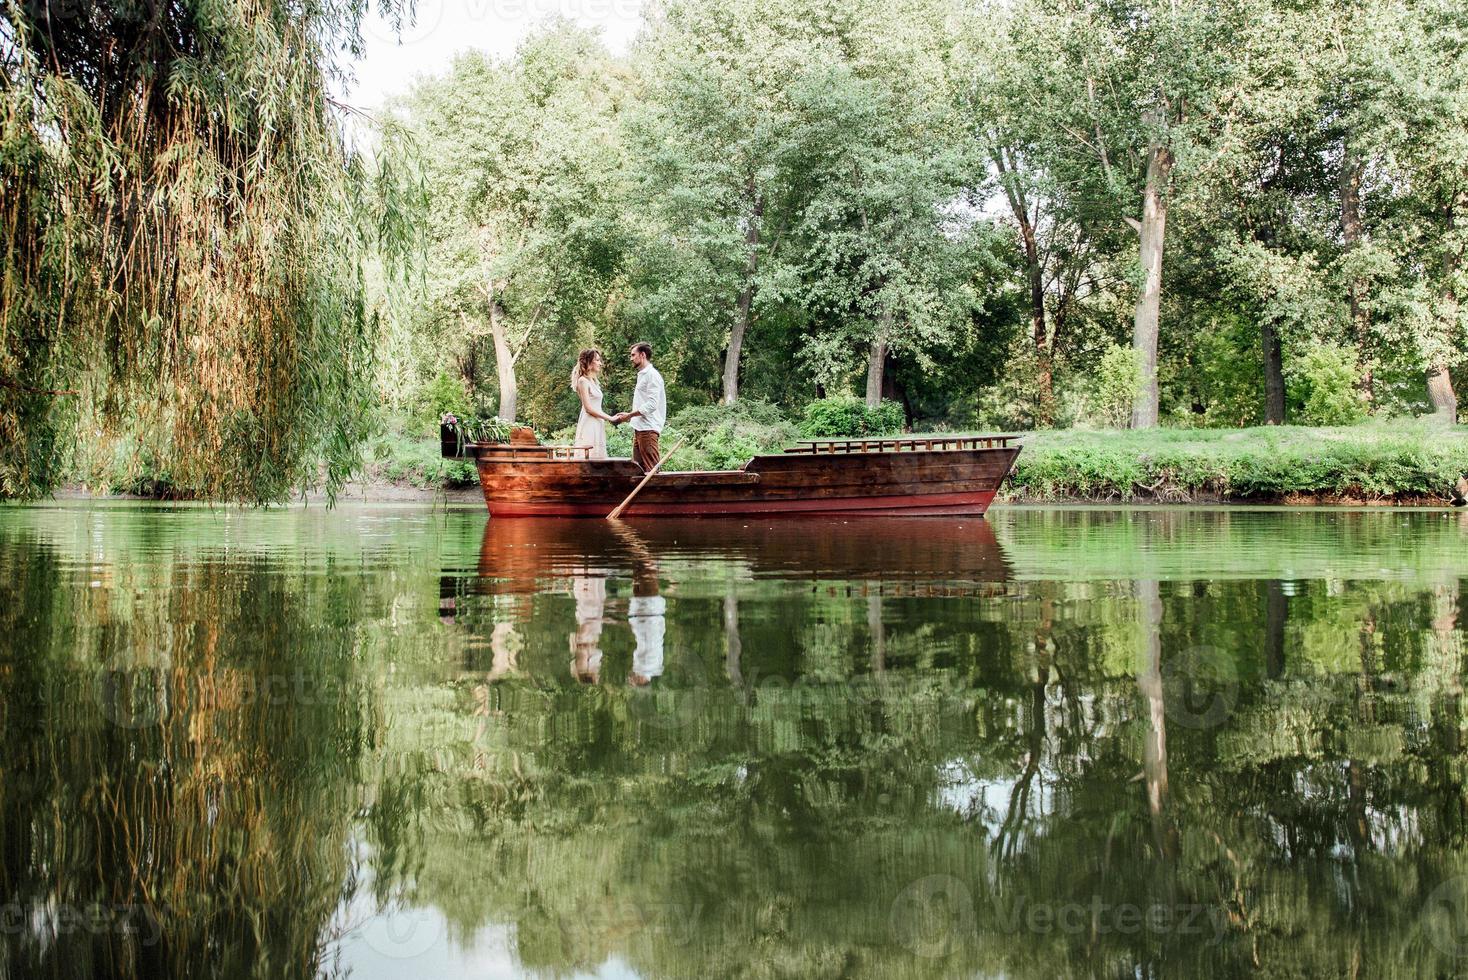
641, 347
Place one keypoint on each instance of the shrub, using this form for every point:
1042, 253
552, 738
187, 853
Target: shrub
886, 419
832, 418
1324, 380
724, 437
443, 395
719, 437
1373, 462
708, 416
1116, 385
403, 458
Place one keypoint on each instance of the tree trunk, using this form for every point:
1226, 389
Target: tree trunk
1154, 736
746, 300
1274, 383
1034, 273
1439, 382
876, 362
504, 363
1151, 231
1276, 617
1044, 366
1352, 168
1440, 393
467, 361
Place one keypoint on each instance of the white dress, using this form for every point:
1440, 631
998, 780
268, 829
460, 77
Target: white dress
591, 431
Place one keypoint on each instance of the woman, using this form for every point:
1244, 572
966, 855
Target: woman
590, 430
589, 586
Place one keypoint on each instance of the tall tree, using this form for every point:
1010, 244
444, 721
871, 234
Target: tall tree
715, 142
523, 164
1052, 225
1125, 91
883, 264
183, 243
1438, 165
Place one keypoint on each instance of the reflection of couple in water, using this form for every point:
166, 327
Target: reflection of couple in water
645, 614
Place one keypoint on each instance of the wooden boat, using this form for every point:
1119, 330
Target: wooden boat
908, 477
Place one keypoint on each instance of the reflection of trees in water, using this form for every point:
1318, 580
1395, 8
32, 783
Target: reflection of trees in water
840, 749
820, 759
181, 765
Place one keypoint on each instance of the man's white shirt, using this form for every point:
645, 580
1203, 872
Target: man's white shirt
648, 619
649, 399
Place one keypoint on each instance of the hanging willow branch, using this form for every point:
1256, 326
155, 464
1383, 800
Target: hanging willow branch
16, 386
182, 237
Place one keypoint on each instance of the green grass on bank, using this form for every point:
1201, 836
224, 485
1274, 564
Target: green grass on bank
1400, 460
1403, 460
400, 458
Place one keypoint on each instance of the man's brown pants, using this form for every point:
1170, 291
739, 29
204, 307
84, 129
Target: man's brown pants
645, 449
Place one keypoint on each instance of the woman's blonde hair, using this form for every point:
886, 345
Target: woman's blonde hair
584, 361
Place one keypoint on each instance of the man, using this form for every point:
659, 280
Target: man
649, 407
647, 615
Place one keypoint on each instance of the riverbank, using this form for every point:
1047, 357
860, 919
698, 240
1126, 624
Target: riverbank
1405, 463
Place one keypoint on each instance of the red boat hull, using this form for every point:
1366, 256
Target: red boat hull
909, 505
923, 483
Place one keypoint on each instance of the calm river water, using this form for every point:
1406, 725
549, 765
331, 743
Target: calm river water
399, 741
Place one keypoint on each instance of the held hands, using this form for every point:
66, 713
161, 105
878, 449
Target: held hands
621, 417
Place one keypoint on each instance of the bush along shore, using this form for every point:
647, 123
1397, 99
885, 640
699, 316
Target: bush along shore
1406, 462
1402, 462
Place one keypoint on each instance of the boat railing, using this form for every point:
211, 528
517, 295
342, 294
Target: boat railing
509, 451
901, 444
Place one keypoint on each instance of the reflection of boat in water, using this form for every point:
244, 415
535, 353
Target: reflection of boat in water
522, 556
616, 573
951, 475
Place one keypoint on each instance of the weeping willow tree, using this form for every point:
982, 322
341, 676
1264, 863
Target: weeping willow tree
184, 231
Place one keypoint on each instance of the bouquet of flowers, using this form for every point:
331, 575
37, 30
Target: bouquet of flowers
459, 430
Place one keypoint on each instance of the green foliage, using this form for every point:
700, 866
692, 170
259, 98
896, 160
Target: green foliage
848, 416
839, 416
526, 244
1325, 381
719, 437
1115, 385
1403, 460
184, 244
728, 435
886, 419
441, 396
397, 457
201, 274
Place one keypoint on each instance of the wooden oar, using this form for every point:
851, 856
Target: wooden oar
617, 512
